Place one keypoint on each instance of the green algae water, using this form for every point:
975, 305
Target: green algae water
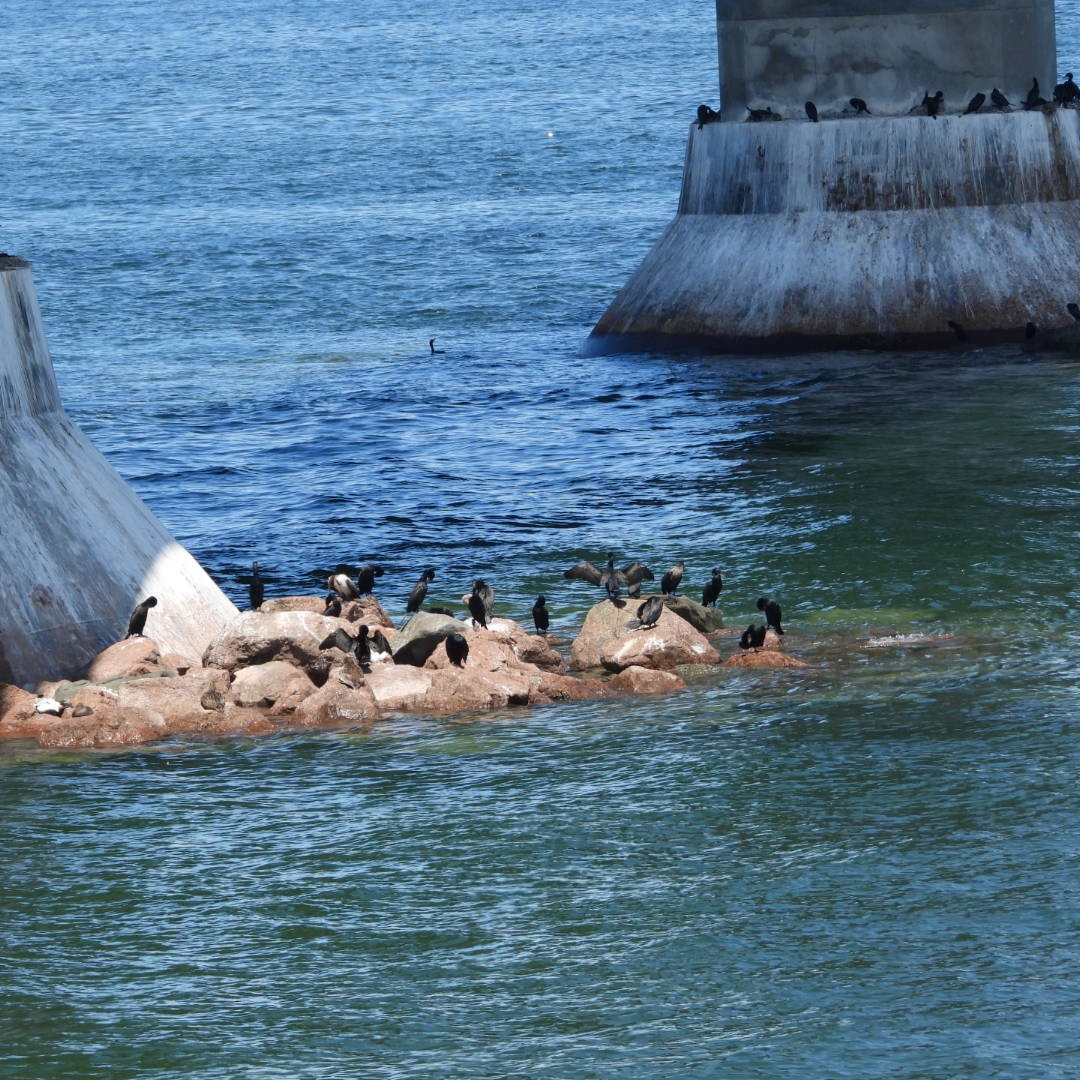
246, 222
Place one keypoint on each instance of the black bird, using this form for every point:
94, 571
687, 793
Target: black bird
365, 578
256, 588
379, 644
416, 597
609, 579
649, 612
1066, 91
343, 585
934, 104
541, 616
753, 637
358, 646
705, 115
958, 330
1073, 309
137, 622
859, 105
1034, 99
975, 104
711, 593
1030, 330
457, 650
487, 594
757, 115
772, 611
333, 605
811, 112
1000, 101
478, 603
434, 351
670, 581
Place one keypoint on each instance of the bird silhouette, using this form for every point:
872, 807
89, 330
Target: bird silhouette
711, 593
541, 616
999, 100
772, 611
958, 330
343, 585
811, 111
975, 104
256, 588
419, 591
137, 622
859, 105
670, 581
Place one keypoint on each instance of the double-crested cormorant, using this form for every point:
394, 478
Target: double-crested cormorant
669, 583
609, 579
649, 612
935, 104
137, 622
772, 611
343, 585
541, 616
481, 601
1034, 99
999, 100
711, 593
958, 330
975, 104
434, 351
753, 637
1066, 91
380, 647
416, 597
358, 646
811, 112
706, 115
859, 105
365, 578
333, 605
757, 115
256, 588
457, 650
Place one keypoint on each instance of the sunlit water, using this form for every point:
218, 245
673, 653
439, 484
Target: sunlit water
246, 221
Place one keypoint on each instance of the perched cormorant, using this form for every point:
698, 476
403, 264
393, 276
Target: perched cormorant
358, 646
457, 650
811, 112
609, 579
753, 637
670, 581
1066, 91
1073, 309
711, 593
975, 104
365, 578
757, 115
478, 603
431, 346
541, 616
772, 611
705, 115
343, 585
859, 105
1000, 101
137, 622
256, 588
380, 647
416, 597
333, 605
649, 612
958, 330
934, 104
1034, 99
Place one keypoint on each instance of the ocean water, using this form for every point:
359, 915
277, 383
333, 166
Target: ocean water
246, 221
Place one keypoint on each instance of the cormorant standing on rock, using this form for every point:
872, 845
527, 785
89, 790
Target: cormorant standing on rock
859, 105
365, 579
811, 112
343, 585
958, 330
753, 637
670, 581
362, 648
487, 594
975, 104
1000, 101
772, 613
256, 588
478, 608
711, 593
333, 605
416, 597
541, 616
434, 351
609, 579
649, 612
137, 622
457, 650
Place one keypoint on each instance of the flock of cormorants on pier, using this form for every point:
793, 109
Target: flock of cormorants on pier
1065, 93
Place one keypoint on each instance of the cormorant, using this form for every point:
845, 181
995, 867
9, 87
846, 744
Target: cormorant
705, 115
609, 579
934, 104
434, 351
256, 588
649, 612
670, 581
1000, 101
333, 605
859, 105
1066, 91
711, 593
811, 112
478, 603
757, 115
137, 622
358, 646
975, 104
416, 597
753, 637
343, 585
958, 330
1073, 309
1034, 99
457, 650
380, 647
541, 616
365, 578
772, 611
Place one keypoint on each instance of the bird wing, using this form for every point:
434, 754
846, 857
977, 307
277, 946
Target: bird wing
584, 571
634, 573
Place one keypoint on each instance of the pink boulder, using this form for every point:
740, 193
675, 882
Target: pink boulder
336, 705
640, 680
132, 656
763, 658
103, 727
257, 637
264, 685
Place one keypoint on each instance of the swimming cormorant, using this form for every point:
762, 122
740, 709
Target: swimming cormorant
670, 581
457, 650
416, 597
649, 612
137, 622
811, 112
975, 104
1000, 101
256, 588
365, 578
711, 593
434, 351
541, 616
343, 585
772, 611
859, 105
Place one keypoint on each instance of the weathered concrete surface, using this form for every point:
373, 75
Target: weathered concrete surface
78, 549
784, 52
869, 233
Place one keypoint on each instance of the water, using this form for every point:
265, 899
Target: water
246, 221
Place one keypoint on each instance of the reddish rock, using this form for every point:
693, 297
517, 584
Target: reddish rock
257, 637
17, 717
707, 620
399, 687
555, 687
611, 638
263, 685
15, 701
132, 656
316, 604
763, 658
639, 680
367, 610
103, 727
180, 664
336, 705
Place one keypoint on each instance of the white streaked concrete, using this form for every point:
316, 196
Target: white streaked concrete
78, 548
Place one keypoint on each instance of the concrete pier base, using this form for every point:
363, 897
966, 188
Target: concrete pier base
78, 549
861, 233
